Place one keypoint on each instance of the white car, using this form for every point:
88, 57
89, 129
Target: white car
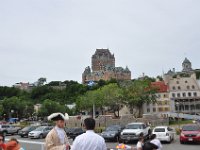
133, 131
164, 133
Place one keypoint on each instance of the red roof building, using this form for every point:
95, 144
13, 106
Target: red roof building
160, 86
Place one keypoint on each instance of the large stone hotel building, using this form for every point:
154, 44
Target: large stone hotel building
103, 67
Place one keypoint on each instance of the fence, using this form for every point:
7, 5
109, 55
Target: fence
104, 121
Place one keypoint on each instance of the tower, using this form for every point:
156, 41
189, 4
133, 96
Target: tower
187, 66
102, 59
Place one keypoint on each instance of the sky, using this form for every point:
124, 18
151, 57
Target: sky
56, 38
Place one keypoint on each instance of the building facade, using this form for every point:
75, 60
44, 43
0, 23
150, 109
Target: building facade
103, 67
162, 106
184, 90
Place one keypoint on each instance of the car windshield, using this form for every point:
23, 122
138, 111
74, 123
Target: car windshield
191, 128
26, 128
112, 129
39, 129
134, 126
159, 130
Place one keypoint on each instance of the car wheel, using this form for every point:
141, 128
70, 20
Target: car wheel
22, 136
41, 136
182, 142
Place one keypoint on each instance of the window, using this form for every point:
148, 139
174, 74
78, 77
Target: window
174, 88
189, 94
193, 87
173, 95
177, 82
178, 95
158, 96
154, 109
186, 81
179, 87
184, 94
195, 94
166, 109
148, 109
164, 95
160, 109
188, 87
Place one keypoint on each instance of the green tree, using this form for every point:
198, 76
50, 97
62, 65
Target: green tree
49, 107
21, 108
139, 92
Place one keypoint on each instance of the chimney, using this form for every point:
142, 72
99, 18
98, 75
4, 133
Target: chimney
174, 70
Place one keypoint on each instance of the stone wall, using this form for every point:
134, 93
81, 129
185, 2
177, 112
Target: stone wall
104, 121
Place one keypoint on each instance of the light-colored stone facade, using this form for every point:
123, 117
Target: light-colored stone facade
184, 90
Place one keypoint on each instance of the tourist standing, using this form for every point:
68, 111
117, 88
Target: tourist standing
57, 138
2, 145
89, 140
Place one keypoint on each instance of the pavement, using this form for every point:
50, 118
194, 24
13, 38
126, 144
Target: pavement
38, 144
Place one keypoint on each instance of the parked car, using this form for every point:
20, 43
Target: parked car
40, 132
112, 132
133, 130
8, 129
190, 133
164, 133
74, 132
25, 131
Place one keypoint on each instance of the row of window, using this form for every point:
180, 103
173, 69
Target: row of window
179, 88
189, 94
159, 109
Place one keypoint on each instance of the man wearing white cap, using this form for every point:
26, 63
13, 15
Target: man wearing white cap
57, 138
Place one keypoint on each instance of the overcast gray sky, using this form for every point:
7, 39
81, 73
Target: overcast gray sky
56, 38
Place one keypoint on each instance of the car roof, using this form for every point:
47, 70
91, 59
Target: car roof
161, 127
136, 123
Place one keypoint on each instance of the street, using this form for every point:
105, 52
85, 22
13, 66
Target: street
37, 144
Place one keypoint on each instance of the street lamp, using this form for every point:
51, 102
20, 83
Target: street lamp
91, 84
178, 104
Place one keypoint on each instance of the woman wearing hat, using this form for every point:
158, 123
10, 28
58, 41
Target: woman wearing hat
57, 138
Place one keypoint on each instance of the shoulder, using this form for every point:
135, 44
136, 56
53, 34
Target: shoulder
51, 133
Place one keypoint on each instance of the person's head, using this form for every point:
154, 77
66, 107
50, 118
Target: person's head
89, 123
1, 138
153, 136
59, 119
60, 123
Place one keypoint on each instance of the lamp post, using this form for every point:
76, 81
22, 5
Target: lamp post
178, 104
91, 84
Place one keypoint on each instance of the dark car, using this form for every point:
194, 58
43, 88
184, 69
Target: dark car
112, 133
25, 131
190, 133
74, 132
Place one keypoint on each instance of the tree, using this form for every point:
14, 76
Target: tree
8, 92
49, 107
112, 96
139, 92
20, 107
41, 81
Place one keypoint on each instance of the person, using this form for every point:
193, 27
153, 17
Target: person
2, 144
140, 143
13, 144
89, 140
149, 146
156, 141
57, 138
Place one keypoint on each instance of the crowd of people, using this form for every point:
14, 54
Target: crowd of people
58, 140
